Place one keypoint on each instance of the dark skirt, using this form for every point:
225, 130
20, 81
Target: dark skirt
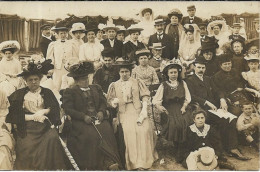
40, 149
84, 145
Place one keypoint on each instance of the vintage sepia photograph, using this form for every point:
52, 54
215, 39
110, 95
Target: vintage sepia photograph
129, 85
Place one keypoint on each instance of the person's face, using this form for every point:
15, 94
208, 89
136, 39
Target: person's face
174, 20
253, 50
236, 30
147, 16
33, 82
124, 74
77, 34
226, 66
120, 37
159, 27
62, 35
200, 69
100, 34
173, 74
191, 12
108, 61
253, 66
190, 36
203, 30
143, 60
91, 36
247, 109
111, 34
208, 55
8, 54
157, 52
216, 30
237, 47
199, 120
46, 32
134, 36
82, 82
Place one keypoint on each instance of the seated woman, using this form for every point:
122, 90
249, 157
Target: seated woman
172, 99
202, 137
10, 67
126, 94
86, 106
32, 109
6, 138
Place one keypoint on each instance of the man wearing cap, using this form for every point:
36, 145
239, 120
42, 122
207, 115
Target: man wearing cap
256, 30
235, 33
111, 41
77, 33
191, 19
59, 51
163, 38
46, 38
105, 75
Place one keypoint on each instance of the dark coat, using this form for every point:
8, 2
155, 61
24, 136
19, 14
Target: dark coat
239, 63
186, 20
118, 46
201, 91
16, 113
129, 50
166, 41
44, 43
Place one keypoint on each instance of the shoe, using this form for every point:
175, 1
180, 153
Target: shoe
235, 153
226, 165
114, 167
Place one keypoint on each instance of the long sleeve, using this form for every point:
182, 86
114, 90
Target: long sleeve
133, 75
143, 90
158, 98
155, 77
111, 93
187, 93
82, 53
50, 52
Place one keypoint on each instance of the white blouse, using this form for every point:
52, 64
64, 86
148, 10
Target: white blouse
91, 52
33, 102
253, 78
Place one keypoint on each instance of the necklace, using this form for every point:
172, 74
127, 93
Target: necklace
174, 85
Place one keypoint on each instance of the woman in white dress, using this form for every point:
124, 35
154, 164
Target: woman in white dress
130, 96
77, 33
10, 67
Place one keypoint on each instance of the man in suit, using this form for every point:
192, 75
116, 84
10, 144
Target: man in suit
111, 41
46, 38
165, 39
191, 19
235, 33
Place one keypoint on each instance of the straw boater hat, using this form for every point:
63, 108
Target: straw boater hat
122, 29
120, 62
45, 26
111, 26
159, 22
191, 7
157, 46
78, 27
60, 27
81, 69
142, 52
236, 25
135, 27
10, 46
252, 57
207, 159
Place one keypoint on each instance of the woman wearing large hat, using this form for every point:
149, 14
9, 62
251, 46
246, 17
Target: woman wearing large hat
10, 67
91, 139
172, 100
77, 33
121, 33
175, 29
133, 44
32, 109
130, 96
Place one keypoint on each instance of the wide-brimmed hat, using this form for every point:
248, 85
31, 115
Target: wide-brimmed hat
209, 43
110, 26
81, 69
36, 68
92, 27
101, 26
216, 23
252, 57
10, 45
70, 62
145, 10
226, 57
78, 27
252, 42
200, 59
120, 62
108, 52
207, 159
122, 29
45, 26
157, 45
175, 12
159, 22
142, 52
191, 7
61, 26
236, 25
135, 27
238, 38
170, 63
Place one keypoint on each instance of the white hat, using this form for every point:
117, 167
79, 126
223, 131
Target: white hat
252, 57
78, 27
111, 26
121, 28
8, 45
135, 27
101, 26
157, 45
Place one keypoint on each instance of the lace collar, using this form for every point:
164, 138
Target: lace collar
197, 131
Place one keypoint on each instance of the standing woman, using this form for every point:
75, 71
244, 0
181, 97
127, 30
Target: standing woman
175, 29
10, 67
130, 96
133, 44
37, 145
77, 34
172, 99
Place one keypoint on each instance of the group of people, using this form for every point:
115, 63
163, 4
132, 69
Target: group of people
189, 84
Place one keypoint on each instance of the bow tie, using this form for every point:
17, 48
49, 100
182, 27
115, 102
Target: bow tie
191, 18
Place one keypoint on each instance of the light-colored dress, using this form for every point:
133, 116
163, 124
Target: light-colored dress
76, 43
253, 79
146, 74
139, 140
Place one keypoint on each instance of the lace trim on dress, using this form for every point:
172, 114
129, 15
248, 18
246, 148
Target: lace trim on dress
197, 131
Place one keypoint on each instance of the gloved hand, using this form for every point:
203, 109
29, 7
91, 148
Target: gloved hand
143, 114
115, 102
88, 119
100, 116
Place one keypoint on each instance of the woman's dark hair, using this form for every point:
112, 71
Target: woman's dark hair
198, 111
219, 25
165, 72
95, 31
189, 29
73, 32
134, 31
147, 10
12, 50
25, 77
209, 50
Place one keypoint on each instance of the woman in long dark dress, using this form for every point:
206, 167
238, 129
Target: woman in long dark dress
172, 100
87, 105
37, 145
